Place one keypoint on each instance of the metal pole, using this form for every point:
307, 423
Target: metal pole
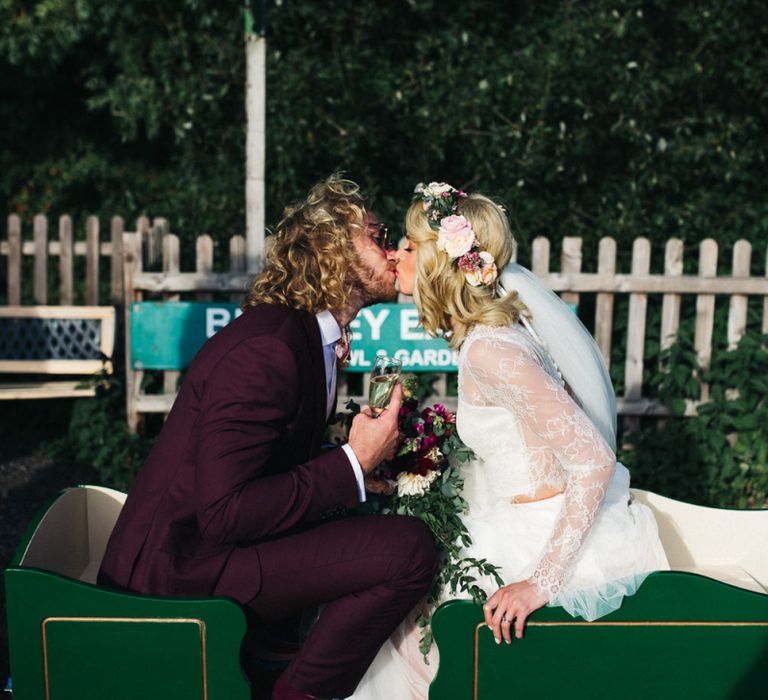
255, 107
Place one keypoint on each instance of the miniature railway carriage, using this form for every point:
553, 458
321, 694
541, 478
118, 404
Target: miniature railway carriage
699, 631
72, 640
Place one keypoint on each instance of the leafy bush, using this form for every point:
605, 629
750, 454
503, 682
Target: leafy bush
603, 117
98, 437
720, 456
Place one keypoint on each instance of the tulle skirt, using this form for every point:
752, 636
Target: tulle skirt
620, 550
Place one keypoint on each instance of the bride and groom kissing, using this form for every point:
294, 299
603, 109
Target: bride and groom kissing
237, 498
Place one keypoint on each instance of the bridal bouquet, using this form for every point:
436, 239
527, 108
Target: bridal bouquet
423, 480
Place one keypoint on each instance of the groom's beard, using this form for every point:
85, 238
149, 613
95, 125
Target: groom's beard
372, 285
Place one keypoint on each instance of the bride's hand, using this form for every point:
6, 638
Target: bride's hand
512, 603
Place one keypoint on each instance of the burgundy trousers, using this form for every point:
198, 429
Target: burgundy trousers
368, 572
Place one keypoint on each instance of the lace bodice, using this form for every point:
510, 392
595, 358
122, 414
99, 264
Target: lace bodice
517, 416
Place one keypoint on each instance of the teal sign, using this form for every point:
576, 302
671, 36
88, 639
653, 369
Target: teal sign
393, 329
168, 334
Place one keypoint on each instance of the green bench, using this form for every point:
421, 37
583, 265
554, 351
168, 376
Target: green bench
700, 631
72, 640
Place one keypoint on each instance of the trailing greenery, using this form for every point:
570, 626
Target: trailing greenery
424, 481
591, 118
720, 456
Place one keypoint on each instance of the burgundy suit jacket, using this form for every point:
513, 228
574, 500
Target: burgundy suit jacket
238, 461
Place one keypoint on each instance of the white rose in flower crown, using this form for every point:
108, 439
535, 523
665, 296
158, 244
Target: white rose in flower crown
455, 236
414, 484
438, 188
475, 278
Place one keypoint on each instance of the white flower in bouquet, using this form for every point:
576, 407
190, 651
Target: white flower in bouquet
409, 484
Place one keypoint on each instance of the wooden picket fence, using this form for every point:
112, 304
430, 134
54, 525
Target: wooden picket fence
571, 282
43, 247
146, 264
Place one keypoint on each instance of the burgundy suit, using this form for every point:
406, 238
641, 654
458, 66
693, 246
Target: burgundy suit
234, 496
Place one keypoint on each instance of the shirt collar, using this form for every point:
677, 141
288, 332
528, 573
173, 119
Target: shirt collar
330, 331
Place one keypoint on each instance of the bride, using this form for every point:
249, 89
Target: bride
548, 503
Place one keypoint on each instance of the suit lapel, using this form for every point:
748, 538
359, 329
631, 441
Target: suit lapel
317, 380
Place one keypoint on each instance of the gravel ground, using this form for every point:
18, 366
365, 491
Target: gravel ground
29, 478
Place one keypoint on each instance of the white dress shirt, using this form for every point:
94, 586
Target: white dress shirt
330, 333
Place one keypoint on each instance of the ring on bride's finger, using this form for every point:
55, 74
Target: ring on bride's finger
505, 620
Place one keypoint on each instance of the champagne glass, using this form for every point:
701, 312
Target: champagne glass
384, 376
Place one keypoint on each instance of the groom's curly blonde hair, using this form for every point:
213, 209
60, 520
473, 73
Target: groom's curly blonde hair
443, 298
311, 254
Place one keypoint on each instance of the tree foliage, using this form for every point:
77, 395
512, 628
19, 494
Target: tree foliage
622, 118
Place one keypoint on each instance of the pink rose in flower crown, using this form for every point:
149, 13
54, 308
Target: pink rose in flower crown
489, 272
455, 236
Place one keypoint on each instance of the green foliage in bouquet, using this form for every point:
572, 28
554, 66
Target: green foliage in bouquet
424, 481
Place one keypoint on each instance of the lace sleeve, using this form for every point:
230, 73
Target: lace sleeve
511, 375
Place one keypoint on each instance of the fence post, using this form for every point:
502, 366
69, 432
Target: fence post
131, 265
116, 261
154, 249
142, 231
670, 304
14, 260
92, 260
540, 258
638, 306
737, 312
66, 287
172, 265
237, 261
606, 267
705, 310
570, 263
41, 259
204, 262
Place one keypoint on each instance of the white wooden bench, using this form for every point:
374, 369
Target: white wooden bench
76, 341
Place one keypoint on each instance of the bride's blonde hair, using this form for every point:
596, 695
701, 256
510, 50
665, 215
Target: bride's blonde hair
444, 298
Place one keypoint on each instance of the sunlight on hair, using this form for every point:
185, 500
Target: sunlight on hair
444, 300
310, 254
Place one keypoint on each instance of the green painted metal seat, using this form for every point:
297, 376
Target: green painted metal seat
698, 631
72, 640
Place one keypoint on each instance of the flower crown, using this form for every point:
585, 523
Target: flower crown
454, 233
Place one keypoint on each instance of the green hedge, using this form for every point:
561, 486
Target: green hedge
589, 117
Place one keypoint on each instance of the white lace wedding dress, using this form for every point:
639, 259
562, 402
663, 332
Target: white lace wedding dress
585, 548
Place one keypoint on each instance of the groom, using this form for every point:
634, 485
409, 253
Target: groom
237, 499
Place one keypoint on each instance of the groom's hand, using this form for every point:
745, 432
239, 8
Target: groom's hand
375, 439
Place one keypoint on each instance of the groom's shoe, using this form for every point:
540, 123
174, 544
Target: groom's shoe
283, 691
